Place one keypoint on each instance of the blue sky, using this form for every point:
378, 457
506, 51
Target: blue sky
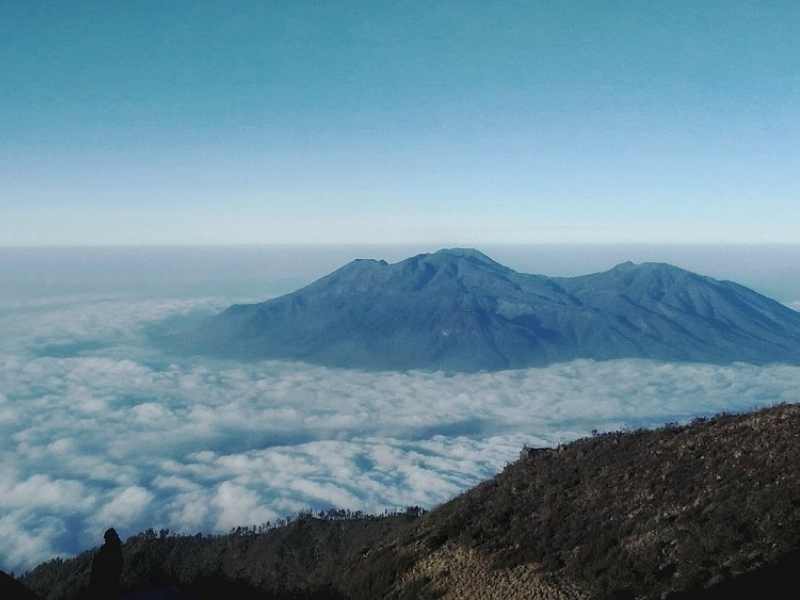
364, 122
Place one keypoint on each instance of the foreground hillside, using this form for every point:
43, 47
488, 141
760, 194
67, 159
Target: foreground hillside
709, 510
11, 589
458, 310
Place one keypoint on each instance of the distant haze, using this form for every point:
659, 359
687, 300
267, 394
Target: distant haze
258, 272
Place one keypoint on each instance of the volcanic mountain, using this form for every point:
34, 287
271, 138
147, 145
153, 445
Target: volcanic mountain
459, 310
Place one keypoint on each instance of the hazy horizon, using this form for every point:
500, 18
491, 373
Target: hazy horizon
771, 269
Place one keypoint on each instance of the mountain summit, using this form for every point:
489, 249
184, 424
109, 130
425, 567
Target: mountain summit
459, 310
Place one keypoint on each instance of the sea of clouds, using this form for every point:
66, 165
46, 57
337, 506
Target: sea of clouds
100, 428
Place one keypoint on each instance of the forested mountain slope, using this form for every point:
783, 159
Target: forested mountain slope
707, 510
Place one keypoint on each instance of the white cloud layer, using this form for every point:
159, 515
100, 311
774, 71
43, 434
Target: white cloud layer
97, 429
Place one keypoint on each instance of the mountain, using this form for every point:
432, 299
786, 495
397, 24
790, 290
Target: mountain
707, 511
11, 589
458, 310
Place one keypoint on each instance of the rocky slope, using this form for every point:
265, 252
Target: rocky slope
11, 589
709, 510
459, 310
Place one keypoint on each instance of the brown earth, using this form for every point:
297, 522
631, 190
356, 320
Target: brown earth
699, 511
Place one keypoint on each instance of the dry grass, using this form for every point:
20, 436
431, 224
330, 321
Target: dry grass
642, 514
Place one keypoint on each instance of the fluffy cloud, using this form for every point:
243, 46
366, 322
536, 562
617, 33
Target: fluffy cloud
125, 506
99, 429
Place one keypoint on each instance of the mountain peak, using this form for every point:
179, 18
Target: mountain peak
625, 266
646, 267
470, 254
458, 310
464, 253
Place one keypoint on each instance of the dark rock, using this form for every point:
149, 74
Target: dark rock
104, 582
11, 589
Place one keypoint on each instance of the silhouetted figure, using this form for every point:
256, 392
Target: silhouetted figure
107, 569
